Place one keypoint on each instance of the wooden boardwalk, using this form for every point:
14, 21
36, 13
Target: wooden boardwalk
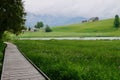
17, 67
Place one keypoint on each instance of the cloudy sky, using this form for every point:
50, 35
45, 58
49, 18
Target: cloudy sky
82, 8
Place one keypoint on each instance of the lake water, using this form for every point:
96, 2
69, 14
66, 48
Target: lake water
73, 38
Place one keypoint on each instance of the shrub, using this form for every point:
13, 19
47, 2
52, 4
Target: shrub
47, 29
8, 36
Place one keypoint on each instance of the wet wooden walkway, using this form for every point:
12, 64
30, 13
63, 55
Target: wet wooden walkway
17, 67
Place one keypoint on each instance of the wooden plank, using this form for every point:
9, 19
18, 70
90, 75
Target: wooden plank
16, 66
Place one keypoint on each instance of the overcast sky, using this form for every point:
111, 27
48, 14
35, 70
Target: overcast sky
83, 8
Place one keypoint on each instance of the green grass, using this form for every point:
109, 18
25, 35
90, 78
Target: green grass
2, 45
75, 60
89, 27
99, 28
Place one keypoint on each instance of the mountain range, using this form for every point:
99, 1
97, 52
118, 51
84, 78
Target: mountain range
32, 19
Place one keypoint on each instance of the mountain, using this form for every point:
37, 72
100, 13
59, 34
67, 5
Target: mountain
32, 19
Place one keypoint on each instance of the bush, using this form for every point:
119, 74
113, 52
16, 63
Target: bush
47, 29
8, 36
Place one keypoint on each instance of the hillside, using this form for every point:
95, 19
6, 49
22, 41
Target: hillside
103, 28
88, 27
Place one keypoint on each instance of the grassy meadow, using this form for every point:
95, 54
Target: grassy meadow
89, 29
75, 60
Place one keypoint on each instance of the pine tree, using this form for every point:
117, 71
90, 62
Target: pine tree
116, 21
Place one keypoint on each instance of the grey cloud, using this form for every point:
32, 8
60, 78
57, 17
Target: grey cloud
84, 8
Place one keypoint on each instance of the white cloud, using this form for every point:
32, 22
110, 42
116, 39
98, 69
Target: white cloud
85, 8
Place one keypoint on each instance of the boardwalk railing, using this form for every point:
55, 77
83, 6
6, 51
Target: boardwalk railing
39, 70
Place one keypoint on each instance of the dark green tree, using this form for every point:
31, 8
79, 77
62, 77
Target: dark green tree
47, 29
12, 16
116, 21
39, 25
29, 29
